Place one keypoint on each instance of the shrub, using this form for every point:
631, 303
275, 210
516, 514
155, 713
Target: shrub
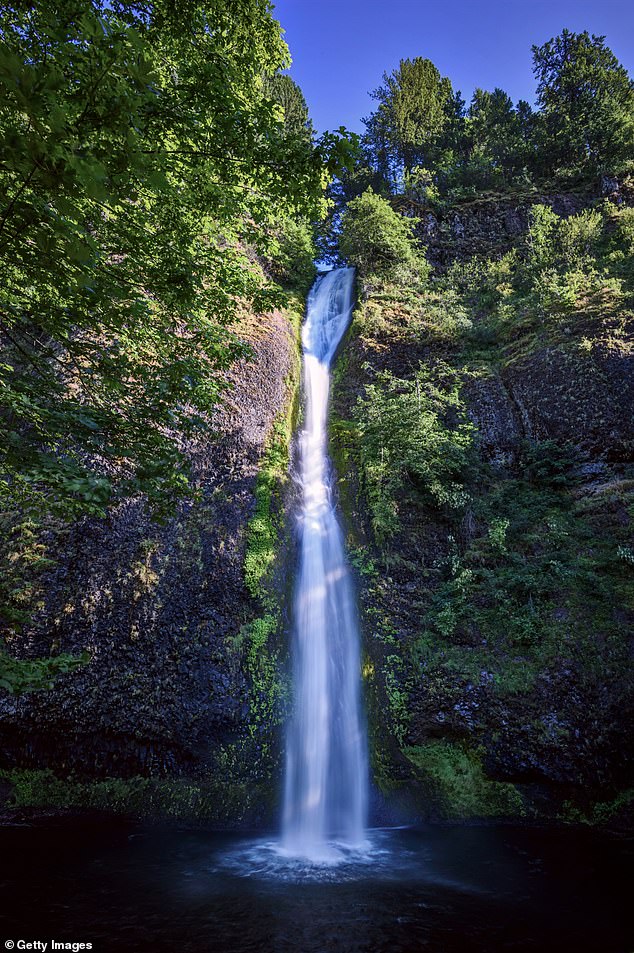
293, 255
561, 263
378, 241
414, 433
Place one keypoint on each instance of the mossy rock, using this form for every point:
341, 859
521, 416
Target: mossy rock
458, 785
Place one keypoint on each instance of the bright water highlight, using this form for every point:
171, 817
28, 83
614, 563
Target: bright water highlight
325, 797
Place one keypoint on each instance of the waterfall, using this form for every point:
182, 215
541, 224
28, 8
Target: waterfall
326, 766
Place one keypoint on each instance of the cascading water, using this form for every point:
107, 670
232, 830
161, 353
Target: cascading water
326, 765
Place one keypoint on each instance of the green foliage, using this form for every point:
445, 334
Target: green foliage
537, 579
606, 811
418, 183
522, 602
397, 696
258, 634
411, 111
624, 237
223, 798
566, 258
293, 255
459, 784
548, 463
584, 126
559, 266
587, 104
498, 529
18, 676
25, 557
147, 169
378, 241
286, 93
110, 236
489, 146
268, 688
562, 247
142, 161
262, 531
499, 133
414, 435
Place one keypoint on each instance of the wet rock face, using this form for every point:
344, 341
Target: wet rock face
158, 607
585, 399
565, 734
499, 422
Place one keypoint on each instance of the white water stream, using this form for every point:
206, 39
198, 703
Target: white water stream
326, 765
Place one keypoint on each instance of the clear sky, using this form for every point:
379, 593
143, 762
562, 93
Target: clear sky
341, 48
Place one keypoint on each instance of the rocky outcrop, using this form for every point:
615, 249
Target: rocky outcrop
568, 394
500, 421
158, 607
483, 226
562, 393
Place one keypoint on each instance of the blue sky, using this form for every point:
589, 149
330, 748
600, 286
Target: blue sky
341, 48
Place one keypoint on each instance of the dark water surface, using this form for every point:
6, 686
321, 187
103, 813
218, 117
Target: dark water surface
436, 889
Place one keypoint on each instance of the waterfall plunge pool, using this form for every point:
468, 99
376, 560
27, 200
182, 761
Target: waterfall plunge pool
438, 889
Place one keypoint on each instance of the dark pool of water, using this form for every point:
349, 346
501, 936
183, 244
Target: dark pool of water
437, 889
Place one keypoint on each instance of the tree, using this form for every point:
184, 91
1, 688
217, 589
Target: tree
287, 94
454, 138
141, 159
144, 175
411, 112
378, 241
586, 100
500, 132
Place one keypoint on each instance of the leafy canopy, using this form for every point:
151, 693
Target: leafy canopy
142, 158
147, 170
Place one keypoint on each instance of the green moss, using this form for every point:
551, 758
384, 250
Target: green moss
458, 784
269, 688
221, 802
604, 812
264, 529
599, 813
265, 537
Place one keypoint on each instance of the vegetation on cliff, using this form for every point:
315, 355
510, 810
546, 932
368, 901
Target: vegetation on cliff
157, 170
163, 187
483, 416
489, 421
